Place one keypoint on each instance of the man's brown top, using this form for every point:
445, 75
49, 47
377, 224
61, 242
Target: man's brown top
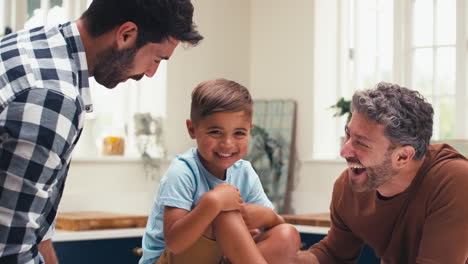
427, 223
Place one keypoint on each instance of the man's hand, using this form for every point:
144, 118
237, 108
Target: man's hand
47, 251
228, 197
305, 257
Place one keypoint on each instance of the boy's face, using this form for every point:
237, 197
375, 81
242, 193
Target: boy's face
222, 139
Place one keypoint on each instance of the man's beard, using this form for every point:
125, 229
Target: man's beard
112, 66
376, 175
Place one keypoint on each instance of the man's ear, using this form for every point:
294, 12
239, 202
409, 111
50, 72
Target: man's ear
252, 125
126, 35
403, 155
190, 128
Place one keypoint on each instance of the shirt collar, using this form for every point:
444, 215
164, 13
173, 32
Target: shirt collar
76, 48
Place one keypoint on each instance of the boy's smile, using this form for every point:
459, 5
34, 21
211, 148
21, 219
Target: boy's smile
222, 139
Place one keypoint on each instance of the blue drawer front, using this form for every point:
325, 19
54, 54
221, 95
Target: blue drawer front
98, 251
367, 253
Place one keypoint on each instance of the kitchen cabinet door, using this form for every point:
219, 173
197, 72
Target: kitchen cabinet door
117, 251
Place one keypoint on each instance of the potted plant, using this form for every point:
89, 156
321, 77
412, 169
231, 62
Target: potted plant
343, 107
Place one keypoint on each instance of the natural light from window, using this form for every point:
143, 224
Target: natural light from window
412, 43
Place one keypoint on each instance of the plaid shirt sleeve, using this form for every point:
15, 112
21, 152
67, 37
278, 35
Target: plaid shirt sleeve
37, 132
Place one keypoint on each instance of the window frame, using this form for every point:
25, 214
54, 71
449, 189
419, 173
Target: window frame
402, 68
404, 52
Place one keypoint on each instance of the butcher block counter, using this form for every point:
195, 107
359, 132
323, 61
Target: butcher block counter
322, 219
92, 225
91, 220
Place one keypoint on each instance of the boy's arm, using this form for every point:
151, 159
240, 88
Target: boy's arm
257, 216
183, 228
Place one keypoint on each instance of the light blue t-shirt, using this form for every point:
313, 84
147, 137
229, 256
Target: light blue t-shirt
184, 183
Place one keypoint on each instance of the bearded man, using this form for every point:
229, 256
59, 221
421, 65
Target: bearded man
400, 195
44, 95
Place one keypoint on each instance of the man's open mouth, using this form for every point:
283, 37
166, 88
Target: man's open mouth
356, 169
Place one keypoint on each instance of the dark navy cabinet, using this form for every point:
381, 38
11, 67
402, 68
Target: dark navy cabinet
120, 250
367, 253
115, 250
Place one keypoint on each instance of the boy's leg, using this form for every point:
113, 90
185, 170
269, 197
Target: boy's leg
279, 244
235, 240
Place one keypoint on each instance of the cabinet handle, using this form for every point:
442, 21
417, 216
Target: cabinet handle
138, 252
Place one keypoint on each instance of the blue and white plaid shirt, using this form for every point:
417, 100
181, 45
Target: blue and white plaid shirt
44, 93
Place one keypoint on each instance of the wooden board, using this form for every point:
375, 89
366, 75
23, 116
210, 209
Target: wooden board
308, 219
77, 221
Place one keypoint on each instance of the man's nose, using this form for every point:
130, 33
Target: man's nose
152, 70
347, 149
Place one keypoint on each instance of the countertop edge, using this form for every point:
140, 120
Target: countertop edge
306, 229
64, 236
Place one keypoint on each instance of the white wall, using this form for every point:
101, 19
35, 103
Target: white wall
277, 48
224, 52
293, 49
108, 185
120, 185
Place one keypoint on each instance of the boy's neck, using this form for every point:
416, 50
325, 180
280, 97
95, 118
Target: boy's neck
220, 175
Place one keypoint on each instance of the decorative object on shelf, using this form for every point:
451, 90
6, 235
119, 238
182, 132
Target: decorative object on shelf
148, 136
343, 108
271, 148
263, 146
113, 146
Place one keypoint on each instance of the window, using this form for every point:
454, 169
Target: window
420, 44
2, 21
45, 12
433, 50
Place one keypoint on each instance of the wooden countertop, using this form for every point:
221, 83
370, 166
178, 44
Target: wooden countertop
322, 219
90, 220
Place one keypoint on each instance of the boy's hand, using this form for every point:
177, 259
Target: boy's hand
228, 197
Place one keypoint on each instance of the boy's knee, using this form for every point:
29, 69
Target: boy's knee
227, 217
289, 234
235, 214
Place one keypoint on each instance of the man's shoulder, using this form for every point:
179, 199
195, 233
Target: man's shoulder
444, 180
36, 58
446, 167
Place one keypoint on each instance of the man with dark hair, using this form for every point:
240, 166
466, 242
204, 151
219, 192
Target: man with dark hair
44, 93
400, 195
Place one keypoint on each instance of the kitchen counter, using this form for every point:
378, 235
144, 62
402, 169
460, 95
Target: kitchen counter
305, 223
322, 219
62, 235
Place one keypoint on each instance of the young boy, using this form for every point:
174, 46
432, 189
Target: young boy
211, 204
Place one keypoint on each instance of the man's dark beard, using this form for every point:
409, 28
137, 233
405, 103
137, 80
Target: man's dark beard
112, 66
377, 175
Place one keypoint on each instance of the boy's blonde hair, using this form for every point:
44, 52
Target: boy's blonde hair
219, 95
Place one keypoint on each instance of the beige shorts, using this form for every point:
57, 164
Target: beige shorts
204, 251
